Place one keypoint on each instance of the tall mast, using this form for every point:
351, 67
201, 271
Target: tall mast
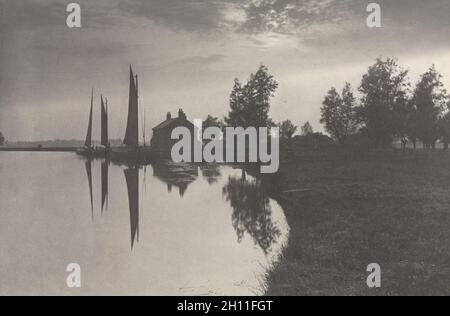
140, 107
143, 121
107, 123
144, 126
104, 123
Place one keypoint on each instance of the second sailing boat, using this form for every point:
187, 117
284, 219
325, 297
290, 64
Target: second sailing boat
103, 150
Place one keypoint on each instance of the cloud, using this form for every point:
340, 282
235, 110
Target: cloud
293, 16
251, 16
203, 60
187, 15
20, 14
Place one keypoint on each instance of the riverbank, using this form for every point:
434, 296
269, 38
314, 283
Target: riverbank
353, 209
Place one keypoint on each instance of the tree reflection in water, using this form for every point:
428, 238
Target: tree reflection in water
251, 211
211, 173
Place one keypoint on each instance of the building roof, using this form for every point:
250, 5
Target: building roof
167, 123
164, 124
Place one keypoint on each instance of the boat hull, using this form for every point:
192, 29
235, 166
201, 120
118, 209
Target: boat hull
94, 152
85, 152
140, 155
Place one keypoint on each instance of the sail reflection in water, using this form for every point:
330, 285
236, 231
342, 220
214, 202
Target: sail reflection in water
132, 182
88, 165
105, 171
217, 233
132, 179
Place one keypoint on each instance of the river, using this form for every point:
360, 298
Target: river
162, 229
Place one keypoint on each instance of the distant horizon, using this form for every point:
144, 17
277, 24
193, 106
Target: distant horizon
57, 140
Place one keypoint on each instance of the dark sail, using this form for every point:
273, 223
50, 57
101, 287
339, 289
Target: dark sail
88, 142
132, 132
104, 124
132, 179
105, 167
89, 175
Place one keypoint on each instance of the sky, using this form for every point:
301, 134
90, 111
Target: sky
187, 54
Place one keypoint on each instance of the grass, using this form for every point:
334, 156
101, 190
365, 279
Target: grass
390, 208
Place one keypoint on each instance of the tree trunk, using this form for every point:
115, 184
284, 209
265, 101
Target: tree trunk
404, 142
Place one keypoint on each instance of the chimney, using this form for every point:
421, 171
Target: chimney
169, 116
181, 114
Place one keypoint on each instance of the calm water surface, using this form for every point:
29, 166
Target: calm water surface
164, 229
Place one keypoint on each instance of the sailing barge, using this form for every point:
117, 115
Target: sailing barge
131, 152
103, 150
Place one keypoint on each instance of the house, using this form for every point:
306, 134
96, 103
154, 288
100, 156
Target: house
161, 142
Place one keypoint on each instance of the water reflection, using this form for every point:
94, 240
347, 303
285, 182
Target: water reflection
211, 173
88, 166
252, 212
183, 242
105, 182
175, 175
132, 183
132, 179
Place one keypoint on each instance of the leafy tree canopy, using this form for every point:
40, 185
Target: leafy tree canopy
338, 113
383, 87
250, 103
287, 129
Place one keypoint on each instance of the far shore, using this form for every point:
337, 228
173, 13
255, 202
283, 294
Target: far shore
40, 149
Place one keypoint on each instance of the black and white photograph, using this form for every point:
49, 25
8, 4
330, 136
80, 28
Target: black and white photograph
224, 148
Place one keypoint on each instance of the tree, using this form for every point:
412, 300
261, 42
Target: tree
250, 103
307, 129
403, 120
211, 121
430, 99
412, 123
287, 129
444, 128
2, 139
384, 86
338, 113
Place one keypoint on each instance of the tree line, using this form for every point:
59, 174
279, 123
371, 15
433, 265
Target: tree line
2, 139
389, 108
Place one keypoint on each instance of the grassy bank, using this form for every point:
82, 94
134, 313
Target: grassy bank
390, 208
